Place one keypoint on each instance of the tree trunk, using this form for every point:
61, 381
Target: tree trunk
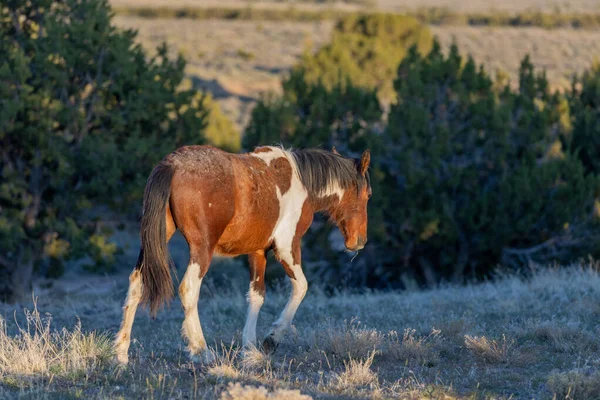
15, 282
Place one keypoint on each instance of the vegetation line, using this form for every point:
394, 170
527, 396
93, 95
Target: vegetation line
432, 16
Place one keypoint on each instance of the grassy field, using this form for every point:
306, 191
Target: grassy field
516, 338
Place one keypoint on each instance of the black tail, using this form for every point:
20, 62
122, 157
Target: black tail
154, 262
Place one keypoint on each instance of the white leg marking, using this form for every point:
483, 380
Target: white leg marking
299, 288
123, 338
255, 302
189, 292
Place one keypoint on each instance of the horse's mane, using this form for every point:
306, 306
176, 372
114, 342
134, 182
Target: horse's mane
320, 169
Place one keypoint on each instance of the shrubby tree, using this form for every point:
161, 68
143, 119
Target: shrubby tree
311, 115
468, 173
84, 115
366, 49
585, 102
475, 176
220, 131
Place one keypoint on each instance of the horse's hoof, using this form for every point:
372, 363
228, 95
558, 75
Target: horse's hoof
206, 357
121, 359
270, 345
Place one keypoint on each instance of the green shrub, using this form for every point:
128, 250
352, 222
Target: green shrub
467, 175
585, 102
220, 131
366, 49
475, 177
84, 116
314, 115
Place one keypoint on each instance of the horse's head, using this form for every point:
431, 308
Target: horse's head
351, 214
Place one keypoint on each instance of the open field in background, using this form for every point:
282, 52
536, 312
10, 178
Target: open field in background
532, 338
239, 60
385, 5
560, 52
235, 60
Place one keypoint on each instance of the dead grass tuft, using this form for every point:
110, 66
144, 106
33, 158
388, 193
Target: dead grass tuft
239, 392
350, 340
37, 350
253, 358
413, 349
224, 364
491, 351
357, 373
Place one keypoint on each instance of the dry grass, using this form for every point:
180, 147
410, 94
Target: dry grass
238, 61
576, 384
348, 340
357, 373
491, 351
388, 5
532, 338
39, 351
412, 349
239, 392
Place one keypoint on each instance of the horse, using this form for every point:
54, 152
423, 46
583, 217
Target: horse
236, 204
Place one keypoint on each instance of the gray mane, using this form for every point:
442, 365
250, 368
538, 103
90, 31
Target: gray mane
319, 169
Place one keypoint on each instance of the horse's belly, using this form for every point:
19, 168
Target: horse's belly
244, 237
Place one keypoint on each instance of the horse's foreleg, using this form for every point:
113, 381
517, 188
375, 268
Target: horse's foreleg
299, 288
256, 295
189, 292
134, 295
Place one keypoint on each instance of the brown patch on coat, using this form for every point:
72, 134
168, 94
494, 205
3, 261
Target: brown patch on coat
304, 223
257, 263
264, 149
282, 172
256, 208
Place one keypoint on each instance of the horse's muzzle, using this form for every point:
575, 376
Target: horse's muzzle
360, 244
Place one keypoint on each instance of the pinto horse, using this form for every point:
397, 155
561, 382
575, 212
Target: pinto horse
230, 204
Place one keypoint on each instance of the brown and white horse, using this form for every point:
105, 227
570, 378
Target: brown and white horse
232, 204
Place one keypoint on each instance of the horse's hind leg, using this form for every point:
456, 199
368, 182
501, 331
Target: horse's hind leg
123, 338
189, 292
134, 295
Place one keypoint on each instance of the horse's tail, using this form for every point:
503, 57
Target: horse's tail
154, 262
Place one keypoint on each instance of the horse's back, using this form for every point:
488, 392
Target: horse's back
256, 204
231, 198
202, 191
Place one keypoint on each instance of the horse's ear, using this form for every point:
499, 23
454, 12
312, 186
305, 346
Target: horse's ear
334, 151
365, 160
